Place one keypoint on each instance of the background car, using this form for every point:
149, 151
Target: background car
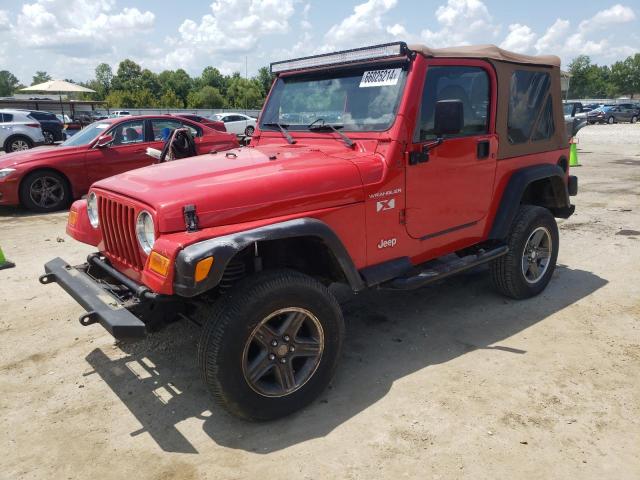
614, 114
237, 123
600, 115
19, 131
52, 127
71, 127
215, 124
48, 178
120, 113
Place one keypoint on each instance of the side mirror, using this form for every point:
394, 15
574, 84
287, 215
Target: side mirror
449, 117
104, 141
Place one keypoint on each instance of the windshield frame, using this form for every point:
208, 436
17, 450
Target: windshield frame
324, 74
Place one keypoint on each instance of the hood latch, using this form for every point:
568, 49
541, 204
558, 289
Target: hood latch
190, 218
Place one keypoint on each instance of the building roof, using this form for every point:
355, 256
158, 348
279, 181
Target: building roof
486, 51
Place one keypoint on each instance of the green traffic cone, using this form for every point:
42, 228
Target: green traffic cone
4, 263
573, 155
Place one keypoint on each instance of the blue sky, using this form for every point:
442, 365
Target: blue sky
68, 38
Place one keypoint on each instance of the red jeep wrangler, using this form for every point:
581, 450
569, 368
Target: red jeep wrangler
386, 167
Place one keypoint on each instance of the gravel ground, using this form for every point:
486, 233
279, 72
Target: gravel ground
451, 381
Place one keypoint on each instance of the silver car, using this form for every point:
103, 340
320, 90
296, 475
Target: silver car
19, 131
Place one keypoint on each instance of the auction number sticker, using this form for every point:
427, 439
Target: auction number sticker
380, 78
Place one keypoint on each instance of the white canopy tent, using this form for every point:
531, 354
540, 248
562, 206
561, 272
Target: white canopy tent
59, 87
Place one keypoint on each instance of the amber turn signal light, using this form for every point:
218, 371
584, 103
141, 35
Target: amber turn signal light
202, 268
73, 218
159, 264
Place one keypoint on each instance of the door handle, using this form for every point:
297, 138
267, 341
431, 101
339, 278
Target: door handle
483, 149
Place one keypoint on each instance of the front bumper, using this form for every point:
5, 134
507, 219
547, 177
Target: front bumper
101, 305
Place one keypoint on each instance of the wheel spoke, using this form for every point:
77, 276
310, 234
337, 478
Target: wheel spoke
533, 268
307, 349
543, 253
292, 324
264, 335
537, 238
259, 367
285, 375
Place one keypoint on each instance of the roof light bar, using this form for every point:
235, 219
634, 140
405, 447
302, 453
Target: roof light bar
345, 57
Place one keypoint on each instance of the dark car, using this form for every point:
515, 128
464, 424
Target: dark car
623, 112
52, 127
215, 124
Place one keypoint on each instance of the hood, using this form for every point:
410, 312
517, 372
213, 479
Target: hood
34, 154
241, 185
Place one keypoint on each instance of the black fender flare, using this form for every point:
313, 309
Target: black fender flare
224, 248
518, 183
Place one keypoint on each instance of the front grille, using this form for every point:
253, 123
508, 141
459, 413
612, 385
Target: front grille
118, 224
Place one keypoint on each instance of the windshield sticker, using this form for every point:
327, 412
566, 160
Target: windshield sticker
380, 78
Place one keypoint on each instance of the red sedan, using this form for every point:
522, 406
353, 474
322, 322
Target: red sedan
49, 178
215, 124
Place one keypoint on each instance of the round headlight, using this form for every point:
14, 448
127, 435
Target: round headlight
92, 210
145, 231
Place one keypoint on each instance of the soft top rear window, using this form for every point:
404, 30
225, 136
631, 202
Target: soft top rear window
528, 92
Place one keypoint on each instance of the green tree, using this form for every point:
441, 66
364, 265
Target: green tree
102, 82
625, 75
179, 81
8, 83
169, 99
120, 99
127, 76
212, 77
149, 81
206, 97
40, 77
266, 78
588, 80
144, 98
243, 93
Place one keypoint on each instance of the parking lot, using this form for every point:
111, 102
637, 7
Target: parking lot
448, 381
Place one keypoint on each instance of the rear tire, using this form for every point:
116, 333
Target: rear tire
526, 269
249, 131
18, 144
48, 137
611, 120
254, 360
45, 191
634, 119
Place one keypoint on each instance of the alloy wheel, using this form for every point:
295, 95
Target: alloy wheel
46, 192
19, 145
536, 255
283, 352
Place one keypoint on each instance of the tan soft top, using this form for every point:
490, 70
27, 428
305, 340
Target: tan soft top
486, 51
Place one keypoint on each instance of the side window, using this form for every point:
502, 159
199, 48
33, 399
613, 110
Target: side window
545, 127
470, 85
7, 117
128, 132
162, 128
527, 95
195, 132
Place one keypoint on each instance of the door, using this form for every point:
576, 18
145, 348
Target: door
451, 189
235, 124
126, 152
161, 128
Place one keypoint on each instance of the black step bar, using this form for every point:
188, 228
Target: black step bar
433, 271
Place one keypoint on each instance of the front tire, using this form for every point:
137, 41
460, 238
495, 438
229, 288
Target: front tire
45, 191
271, 345
634, 119
249, 131
533, 244
48, 137
611, 120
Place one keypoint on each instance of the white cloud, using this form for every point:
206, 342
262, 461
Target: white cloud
232, 27
520, 38
611, 16
553, 38
4, 20
364, 26
461, 22
77, 27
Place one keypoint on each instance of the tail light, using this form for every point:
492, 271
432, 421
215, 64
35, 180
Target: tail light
34, 125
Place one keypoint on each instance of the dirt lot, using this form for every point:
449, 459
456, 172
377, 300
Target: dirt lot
450, 381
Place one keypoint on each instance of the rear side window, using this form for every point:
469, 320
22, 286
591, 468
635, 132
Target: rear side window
528, 95
6, 117
470, 85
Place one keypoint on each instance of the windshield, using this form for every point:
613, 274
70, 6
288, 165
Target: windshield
87, 134
365, 99
568, 108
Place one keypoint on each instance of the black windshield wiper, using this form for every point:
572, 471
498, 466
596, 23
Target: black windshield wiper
327, 126
283, 129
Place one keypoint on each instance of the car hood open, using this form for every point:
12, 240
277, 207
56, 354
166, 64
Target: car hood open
240, 185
